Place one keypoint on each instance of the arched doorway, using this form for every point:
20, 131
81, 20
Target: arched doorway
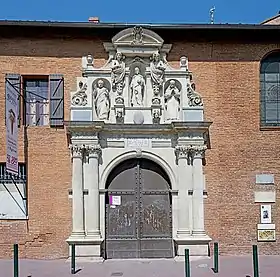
138, 211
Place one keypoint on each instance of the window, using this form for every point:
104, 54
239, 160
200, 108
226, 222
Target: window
41, 100
270, 90
36, 92
13, 201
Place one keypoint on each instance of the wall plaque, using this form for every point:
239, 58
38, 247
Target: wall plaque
266, 235
137, 142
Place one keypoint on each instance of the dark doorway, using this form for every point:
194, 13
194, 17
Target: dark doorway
138, 211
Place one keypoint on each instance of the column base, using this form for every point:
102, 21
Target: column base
182, 234
76, 236
89, 247
198, 245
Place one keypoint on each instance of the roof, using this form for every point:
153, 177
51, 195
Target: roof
106, 31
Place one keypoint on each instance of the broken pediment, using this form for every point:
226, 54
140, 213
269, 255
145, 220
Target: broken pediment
137, 36
137, 41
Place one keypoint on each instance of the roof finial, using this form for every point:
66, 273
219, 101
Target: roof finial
212, 10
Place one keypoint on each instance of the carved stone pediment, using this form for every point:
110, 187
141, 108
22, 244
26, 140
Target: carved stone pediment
137, 36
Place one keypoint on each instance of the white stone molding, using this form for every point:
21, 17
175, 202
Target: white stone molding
131, 155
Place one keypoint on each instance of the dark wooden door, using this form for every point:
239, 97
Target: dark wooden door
138, 212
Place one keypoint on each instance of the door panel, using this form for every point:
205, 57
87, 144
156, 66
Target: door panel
138, 212
155, 219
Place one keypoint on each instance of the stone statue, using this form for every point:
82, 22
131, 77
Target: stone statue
137, 88
172, 101
118, 73
195, 98
80, 97
157, 72
102, 101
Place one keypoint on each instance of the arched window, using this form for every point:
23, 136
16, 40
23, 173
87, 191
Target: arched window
270, 90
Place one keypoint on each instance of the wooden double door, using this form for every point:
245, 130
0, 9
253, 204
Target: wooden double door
138, 212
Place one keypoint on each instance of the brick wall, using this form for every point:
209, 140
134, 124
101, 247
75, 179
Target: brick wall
227, 75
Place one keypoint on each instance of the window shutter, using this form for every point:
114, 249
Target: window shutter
56, 100
12, 82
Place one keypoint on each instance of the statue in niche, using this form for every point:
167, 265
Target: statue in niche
102, 100
137, 88
172, 101
118, 73
157, 72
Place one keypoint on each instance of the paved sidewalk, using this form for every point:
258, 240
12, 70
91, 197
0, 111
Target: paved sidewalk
200, 267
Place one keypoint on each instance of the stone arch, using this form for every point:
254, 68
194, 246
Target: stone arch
133, 154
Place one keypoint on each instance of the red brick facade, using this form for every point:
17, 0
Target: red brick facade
227, 76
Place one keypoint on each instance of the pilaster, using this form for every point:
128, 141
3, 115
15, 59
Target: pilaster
184, 184
78, 230
91, 183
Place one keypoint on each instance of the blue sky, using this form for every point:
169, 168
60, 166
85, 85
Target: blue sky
140, 11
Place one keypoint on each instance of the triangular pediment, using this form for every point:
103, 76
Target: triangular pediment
137, 36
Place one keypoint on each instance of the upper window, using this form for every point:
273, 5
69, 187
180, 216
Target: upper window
270, 90
36, 93
41, 99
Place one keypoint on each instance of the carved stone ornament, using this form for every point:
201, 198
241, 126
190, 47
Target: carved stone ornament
90, 60
93, 150
184, 62
137, 35
189, 152
119, 100
80, 97
197, 150
156, 110
77, 150
195, 98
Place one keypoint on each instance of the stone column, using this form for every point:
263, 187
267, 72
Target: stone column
184, 184
78, 229
198, 205
91, 182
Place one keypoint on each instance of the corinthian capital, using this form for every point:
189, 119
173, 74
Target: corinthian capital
197, 150
181, 151
93, 150
76, 150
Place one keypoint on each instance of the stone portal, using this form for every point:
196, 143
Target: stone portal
137, 107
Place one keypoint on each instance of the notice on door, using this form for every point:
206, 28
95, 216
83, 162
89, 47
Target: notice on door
115, 200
